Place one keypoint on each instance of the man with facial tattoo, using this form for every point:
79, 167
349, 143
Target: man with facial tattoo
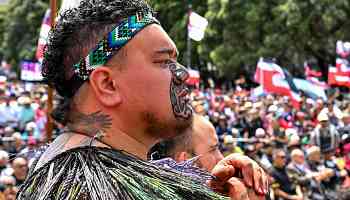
123, 92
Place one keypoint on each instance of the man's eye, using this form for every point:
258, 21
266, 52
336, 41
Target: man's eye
166, 63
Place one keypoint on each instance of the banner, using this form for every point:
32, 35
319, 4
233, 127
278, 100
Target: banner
31, 71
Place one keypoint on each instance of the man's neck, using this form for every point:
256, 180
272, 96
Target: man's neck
122, 141
110, 131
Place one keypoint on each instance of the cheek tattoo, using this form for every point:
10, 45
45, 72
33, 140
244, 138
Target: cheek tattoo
179, 91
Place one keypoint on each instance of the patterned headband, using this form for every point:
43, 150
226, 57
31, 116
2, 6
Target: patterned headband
114, 41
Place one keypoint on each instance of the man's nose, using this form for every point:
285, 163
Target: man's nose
181, 73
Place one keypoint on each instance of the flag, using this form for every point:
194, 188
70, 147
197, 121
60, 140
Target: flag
318, 82
337, 78
310, 72
343, 67
276, 80
68, 4
343, 49
196, 26
340, 74
194, 77
44, 33
310, 89
313, 75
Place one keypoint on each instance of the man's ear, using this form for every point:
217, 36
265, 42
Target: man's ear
105, 86
182, 156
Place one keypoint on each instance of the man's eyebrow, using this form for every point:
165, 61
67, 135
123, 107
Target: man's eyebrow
168, 50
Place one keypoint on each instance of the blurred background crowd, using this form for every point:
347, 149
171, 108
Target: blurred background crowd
305, 150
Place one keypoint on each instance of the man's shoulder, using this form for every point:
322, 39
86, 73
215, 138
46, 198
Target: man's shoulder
103, 173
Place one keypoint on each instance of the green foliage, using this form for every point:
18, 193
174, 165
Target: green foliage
290, 30
3, 11
22, 21
239, 31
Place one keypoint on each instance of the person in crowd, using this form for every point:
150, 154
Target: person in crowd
334, 113
9, 113
117, 106
20, 170
325, 134
230, 146
319, 172
345, 129
222, 127
254, 122
27, 113
8, 189
267, 156
30, 150
201, 140
333, 183
4, 161
284, 188
16, 145
298, 171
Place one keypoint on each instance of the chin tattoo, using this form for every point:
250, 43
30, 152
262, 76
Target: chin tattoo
178, 92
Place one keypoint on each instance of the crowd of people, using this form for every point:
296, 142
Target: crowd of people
306, 151
22, 131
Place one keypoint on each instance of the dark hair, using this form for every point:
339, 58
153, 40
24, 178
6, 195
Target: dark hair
76, 32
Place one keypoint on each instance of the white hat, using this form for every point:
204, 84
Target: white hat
272, 108
291, 131
322, 117
4, 155
313, 149
248, 105
228, 139
30, 126
259, 133
310, 101
235, 131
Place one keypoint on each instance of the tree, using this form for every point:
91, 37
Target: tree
3, 11
22, 21
290, 30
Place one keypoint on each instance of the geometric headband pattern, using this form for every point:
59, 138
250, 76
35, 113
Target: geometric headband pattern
113, 42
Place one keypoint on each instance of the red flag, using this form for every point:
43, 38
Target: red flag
44, 33
336, 77
311, 72
194, 77
343, 67
273, 79
343, 49
317, 82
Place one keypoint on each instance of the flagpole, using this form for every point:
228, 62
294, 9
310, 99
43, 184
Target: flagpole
189, 44
49, 124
